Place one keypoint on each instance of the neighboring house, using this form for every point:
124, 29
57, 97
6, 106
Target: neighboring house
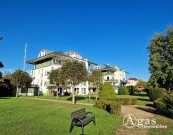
132, 82
49, 60
113, 74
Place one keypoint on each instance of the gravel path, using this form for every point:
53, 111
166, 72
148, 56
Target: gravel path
140, 112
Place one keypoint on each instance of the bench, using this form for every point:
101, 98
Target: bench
80, 118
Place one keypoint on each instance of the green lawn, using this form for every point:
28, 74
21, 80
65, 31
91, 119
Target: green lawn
142, 99
80, 99
24, 116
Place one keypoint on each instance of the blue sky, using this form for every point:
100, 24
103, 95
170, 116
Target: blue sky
115, 32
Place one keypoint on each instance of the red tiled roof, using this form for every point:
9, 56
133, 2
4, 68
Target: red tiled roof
135, 79
140, 86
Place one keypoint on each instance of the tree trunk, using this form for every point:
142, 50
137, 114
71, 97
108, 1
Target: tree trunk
96, 94
89, 96
26, 92
57, 93
38, 93
73, 95
97, 91
17, 92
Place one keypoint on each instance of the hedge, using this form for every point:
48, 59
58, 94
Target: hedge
109, 106
155, 93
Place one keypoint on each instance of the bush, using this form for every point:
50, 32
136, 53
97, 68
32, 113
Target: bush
131, 90
155, 93
168, 100
109, 105
107, 92
126, 101
160, 105
6, 89
123, 90
165, 104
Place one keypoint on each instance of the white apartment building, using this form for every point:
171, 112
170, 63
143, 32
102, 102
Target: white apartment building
49, 60
113, 74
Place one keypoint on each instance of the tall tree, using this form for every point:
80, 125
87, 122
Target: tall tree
96, 77
161, 62
74, 73
55, 78
20, 79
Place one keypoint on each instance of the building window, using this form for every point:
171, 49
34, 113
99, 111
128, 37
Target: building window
83, 91
57, 62
76, 90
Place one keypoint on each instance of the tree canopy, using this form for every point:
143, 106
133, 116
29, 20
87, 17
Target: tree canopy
96, 78
161, 59
20, 79
55, 78
74, 73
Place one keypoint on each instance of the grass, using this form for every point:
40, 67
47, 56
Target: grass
162, 120
142, 99
24, 116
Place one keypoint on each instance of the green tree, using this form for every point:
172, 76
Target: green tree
107, 92
74, 73
55, 78
20, 79
160, 61
96, 78
142, 83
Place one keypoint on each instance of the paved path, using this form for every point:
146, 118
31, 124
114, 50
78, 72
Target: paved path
140, 112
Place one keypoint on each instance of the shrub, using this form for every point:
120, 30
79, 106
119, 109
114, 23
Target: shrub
6, 89
123, 90
155, 93
107, 92
131, 90
168, 100
109, 105
165, 104
126, 101
160, 105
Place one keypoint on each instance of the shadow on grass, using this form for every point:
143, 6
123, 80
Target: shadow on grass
4, 97
142, 99
151, 110
80, 98
141, 95
77, 98
164, 113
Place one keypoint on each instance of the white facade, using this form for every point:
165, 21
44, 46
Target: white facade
132, 82
113, 74
47, 61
